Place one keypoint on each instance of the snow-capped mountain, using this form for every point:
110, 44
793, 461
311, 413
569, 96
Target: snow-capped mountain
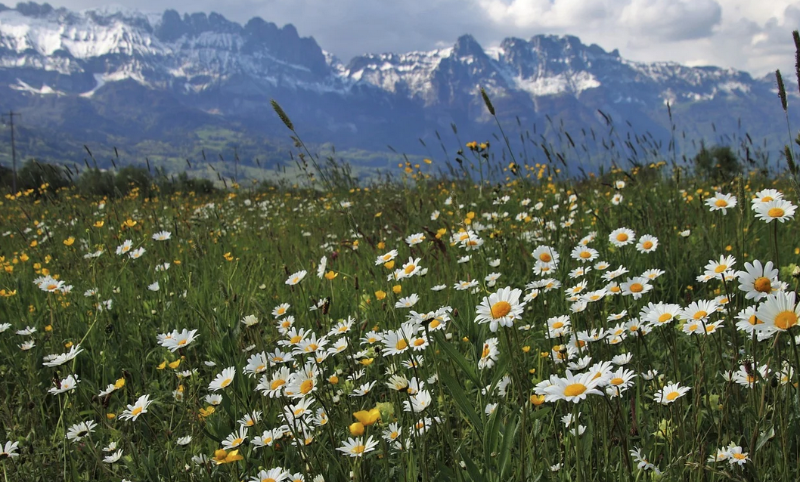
123, 76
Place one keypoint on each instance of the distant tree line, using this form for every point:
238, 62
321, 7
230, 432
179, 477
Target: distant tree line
103, 183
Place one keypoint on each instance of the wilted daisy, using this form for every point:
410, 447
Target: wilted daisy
721, 202
113, 458
488, 354
65, 385
500, 308
250, 320
670, 393
57, 360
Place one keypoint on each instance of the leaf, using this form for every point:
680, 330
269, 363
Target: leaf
505, 449
212, 436
460, 397
764, 437
473, 471
458, 359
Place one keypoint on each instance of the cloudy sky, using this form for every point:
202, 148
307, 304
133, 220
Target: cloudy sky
751, 35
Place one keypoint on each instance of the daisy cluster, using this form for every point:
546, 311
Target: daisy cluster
354, 350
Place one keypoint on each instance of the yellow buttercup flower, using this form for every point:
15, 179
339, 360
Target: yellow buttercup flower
367, 417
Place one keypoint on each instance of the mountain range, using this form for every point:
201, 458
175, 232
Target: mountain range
174, 87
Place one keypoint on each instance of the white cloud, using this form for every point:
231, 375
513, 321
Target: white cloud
744, 34
671, 20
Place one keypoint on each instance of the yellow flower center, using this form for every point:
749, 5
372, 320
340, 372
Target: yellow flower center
276, 384
268, 479
711, 328
545, 257
665, 317
673, 395
295, 339
226, 382
435, 323
766, 199
693, 327
585, 254
306, 386
615, 289
358, 449
776, 213
700, 314
500, 309
136, 411
786, 320
720, 268
574, 389
486, 351
721, 203
647, 244
182, 342
763, 285
237, 442
419, 342
636, 288
617, 381
401, 345
408, 269
557, 325
739, 456
394, 435
754, 321
622, 237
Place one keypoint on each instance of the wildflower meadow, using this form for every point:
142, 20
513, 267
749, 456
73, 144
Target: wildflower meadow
509, 320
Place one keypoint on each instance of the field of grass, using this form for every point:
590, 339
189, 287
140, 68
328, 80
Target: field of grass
638, 325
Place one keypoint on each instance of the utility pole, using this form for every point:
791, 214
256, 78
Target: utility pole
11, 115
